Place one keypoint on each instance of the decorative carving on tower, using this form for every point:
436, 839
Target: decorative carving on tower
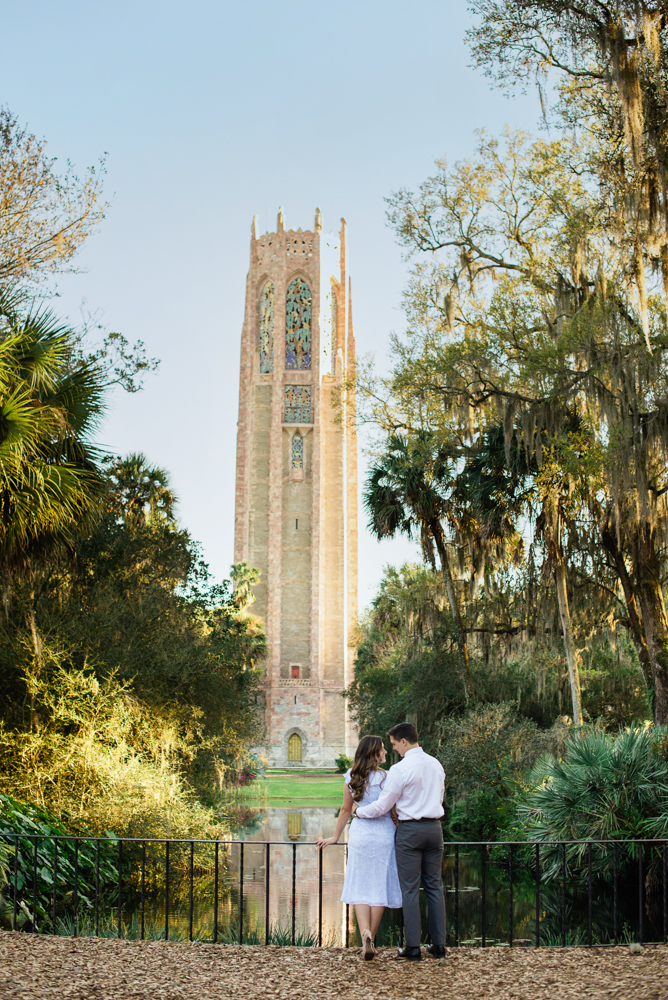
298, 404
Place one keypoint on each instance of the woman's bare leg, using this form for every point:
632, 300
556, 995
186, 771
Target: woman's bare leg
363, 914
375, 918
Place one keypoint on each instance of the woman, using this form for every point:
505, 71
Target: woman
371, 881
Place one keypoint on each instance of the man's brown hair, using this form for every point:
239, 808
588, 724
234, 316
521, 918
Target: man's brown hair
404, 731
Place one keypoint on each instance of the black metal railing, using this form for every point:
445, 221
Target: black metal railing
603, 892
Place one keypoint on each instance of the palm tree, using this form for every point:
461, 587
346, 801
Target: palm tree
406, 493
145, 489
50, 403
50, 486
498, 486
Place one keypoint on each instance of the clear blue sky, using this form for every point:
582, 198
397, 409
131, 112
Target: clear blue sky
212, 112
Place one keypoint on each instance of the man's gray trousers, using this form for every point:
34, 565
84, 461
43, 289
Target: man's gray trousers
419, 846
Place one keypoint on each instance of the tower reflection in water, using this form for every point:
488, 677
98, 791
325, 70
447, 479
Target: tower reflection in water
283, 828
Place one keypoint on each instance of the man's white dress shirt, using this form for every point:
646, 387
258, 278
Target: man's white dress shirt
416, 786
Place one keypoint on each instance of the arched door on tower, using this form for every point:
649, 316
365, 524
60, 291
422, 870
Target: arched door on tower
295, 747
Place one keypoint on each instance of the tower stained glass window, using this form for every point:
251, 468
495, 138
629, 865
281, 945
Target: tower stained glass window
335, 330
297, 404
298, 325
266, 338
298, 451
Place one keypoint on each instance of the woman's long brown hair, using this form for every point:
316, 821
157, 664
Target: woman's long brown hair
366, 761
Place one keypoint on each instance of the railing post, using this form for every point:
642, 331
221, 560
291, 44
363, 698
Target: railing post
614, 911
241, 895
457, 896
537, 895
34, 889
665, 896
55, 883
510, 896
484, 896
166, 890
267, 873
589, 899
119, 915
563, 895
75, 896
215, 896
345, 865
640, 892
15, 913
97, 887
319, 898
143, 887
294, 890
190, 894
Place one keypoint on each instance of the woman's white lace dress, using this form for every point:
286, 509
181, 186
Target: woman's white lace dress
371, 873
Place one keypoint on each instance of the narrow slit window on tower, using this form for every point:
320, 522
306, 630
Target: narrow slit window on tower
296, 524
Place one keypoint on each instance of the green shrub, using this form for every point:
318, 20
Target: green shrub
606, 787
101, 758
24, 827
486, 754
343, 763
491, 746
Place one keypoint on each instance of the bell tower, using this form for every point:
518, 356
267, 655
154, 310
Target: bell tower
296, 490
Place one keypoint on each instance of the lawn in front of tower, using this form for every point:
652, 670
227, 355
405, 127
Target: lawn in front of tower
302, 788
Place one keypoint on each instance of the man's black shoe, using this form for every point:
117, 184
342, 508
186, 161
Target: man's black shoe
435, 951
411, 954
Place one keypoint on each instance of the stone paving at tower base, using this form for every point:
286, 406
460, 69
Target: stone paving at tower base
42, 968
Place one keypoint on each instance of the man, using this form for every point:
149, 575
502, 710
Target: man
415, 786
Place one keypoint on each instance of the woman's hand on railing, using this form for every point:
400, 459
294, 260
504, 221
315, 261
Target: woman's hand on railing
326, 842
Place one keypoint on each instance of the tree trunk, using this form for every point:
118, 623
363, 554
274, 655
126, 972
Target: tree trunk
454, 608
609, 540
653, 613
39, 661
572, 655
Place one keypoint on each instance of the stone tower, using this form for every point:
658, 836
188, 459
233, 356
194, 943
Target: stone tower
296, 494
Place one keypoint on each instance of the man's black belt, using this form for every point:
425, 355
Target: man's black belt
422, 819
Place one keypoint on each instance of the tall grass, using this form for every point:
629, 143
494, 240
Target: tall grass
154, 930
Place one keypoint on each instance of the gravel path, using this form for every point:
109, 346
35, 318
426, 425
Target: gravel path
36, 968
